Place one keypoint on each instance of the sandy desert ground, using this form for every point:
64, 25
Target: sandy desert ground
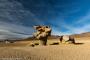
22, 51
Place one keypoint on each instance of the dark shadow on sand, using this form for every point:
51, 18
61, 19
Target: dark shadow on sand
56, 43
78, 43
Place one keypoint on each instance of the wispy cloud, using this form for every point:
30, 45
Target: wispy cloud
14, 31
84, 18
78, 29
81, 25
14, 20
17, 22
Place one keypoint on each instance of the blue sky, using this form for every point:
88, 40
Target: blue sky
64, 16
17, 17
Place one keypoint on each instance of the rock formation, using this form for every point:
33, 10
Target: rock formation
42, 33
67, 39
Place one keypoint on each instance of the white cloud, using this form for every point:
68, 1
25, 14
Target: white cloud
72, 29
14, 31
77, 30
12, 17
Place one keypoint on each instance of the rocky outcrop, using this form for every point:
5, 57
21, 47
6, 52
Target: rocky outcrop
42, 33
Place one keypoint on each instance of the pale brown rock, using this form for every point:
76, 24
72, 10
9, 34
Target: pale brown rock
42, 33
67, 39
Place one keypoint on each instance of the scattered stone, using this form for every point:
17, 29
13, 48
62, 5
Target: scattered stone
67, 39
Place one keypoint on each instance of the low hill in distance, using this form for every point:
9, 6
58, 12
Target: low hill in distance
87, 34
82, 35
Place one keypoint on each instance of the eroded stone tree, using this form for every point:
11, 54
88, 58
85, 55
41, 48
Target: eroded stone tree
42, 33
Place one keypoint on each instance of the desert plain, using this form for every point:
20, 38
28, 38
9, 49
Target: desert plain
21, 50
